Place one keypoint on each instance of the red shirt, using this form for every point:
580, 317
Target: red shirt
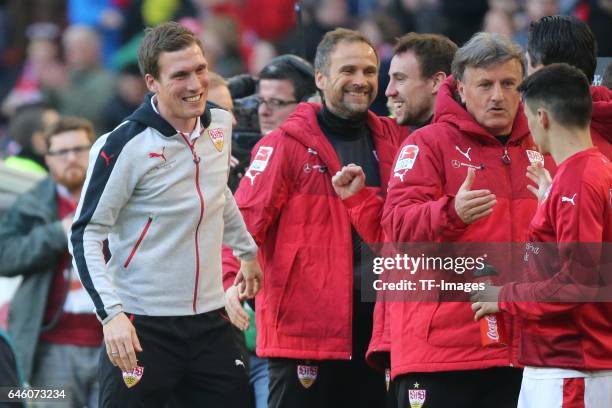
79, 329
575, 219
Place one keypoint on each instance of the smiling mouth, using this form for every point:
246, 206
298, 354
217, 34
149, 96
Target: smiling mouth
194, 98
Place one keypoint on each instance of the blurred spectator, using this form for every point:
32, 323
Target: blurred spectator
87, 88
219, 93
382, 31
27, 128
462, 18
319, 17
130, 90
607, 77
535, 10
41, 65
499, 21
57, 337
105, 16
598, 14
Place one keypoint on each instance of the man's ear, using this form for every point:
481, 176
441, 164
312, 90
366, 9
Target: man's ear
151, 82
460, 89
320, 80
543, 118
438, 79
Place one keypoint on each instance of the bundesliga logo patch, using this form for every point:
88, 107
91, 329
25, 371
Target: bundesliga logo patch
216, 135
260, 162
307, 374
131, 378
406, 160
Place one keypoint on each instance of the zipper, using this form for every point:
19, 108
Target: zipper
196, 160
135, 248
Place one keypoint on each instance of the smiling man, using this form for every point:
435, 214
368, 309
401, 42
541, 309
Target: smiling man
311, 323
157, 191
419, 67
462, 179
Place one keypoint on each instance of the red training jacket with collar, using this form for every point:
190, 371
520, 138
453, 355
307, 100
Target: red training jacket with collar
567, 334
304, 310
442, 336
601, 122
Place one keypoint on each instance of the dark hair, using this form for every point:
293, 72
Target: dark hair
294, 69
484, 50
434, 52
330, 41
167, 37
561, 89
606, 79
68, 123
563, 39
26, 121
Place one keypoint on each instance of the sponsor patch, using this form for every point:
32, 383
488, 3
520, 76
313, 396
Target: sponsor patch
307, 374
535, 157
416, 396
131, 378
260, 162
216, 135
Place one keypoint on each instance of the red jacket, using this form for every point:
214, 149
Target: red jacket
304, 310
601, 122
578, 209
442, 336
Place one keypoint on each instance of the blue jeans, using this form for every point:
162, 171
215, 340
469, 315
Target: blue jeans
259, 380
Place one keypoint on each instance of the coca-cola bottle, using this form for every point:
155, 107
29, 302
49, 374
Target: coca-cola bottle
492, 330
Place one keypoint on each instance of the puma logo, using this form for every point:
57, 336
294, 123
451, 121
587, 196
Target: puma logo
160, 155
565, 199
238, 363
106, 158
251, 176
466, 153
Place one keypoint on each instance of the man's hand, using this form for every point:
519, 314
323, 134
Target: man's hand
539, 175
485, 301
236, 313
121, 342
473, 205
249, 279
349, 181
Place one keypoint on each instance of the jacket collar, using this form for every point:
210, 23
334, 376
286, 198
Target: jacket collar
302, 125
449, 110
146, 115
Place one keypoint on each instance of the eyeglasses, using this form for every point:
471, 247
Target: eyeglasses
274, 103
77, 150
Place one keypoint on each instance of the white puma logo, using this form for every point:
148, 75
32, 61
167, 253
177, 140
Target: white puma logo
238, 363
251, 176
565, 199
466, 153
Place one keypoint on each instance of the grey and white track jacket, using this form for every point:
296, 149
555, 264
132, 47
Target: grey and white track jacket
162, 201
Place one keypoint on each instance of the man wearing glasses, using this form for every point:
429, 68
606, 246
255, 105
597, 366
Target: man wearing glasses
56, 335
283, 83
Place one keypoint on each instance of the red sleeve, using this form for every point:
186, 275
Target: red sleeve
365, 212
231, 266
416, 207
264, 189
579, 231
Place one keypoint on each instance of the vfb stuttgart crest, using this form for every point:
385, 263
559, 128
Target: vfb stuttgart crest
535, 157
416, 396
216, 135
307, 374
131, 378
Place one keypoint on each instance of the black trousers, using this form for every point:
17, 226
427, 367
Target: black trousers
336, 383
192, 361
490, 388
